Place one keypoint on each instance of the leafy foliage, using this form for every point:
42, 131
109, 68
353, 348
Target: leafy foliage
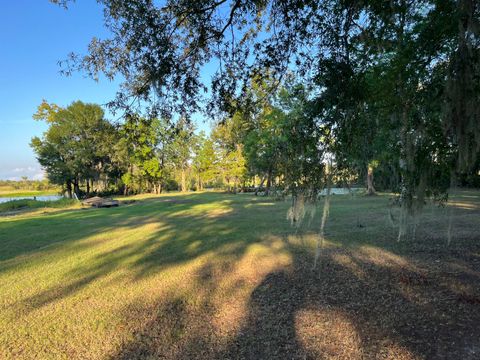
76, 144
394, 82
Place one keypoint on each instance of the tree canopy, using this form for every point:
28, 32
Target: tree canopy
76, 145
385, 87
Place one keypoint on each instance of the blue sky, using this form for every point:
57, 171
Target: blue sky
34, 36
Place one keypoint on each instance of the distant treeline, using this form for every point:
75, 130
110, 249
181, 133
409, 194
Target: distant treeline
277, 144
84, 153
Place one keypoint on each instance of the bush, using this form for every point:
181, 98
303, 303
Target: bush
171, 185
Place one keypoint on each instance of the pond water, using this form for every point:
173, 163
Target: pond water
340, 191
39, 198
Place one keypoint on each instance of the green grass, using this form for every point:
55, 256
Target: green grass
178, 275
27, 204
20, 193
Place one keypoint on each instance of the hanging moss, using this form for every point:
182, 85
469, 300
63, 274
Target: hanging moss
462, 106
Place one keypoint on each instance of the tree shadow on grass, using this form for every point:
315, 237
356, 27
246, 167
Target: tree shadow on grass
25, 236
177, 237
365, 302
361, 304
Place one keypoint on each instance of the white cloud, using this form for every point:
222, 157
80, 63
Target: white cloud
39, 176
16, 174
25, 169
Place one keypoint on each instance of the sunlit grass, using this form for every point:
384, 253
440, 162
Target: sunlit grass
67, 278
9, 192
85, 283
29, 204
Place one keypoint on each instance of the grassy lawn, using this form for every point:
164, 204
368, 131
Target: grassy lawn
211, 275
13, 206
5, 192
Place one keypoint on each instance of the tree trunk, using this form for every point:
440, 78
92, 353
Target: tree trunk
88, 187
184, 184
259, 186
370, 188
269, 182
326, 212
69, 189
76, 188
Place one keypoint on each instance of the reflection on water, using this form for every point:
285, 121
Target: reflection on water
341, 191
39, 198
